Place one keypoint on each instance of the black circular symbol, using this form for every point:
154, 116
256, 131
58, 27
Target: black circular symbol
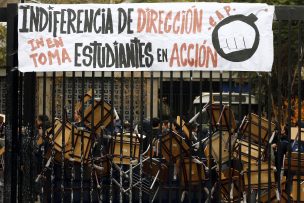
240, 55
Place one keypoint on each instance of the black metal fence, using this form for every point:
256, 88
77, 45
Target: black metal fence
157, 136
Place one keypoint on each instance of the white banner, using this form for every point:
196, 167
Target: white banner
145, 37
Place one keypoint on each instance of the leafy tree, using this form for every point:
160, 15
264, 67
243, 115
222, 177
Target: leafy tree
81, 1
2, 45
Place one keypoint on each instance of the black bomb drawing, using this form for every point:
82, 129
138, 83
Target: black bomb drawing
236, 38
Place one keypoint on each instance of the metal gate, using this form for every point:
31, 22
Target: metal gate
156, 136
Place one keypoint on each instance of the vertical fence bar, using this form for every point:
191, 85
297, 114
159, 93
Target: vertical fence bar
29, 118
10, 172
249, 140
131, 133
112, 134
239, 119
63, 139
102, 148
191, 138
73, 137
220, 137
259, 132
158, 142
93, 136
279, 103
199, 138
11, 138
300, 62
121, 135
21, 140
150, 103
230, 147
53, 165
180, 168
141, 144
82, 139
279, 90
171, 164
288, 153
44, 127
210, 186
141, 115
161, 118
268, 153
151, 119
131, 138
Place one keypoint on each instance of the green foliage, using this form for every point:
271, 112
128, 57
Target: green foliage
81, 1
272, 2
2, 45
